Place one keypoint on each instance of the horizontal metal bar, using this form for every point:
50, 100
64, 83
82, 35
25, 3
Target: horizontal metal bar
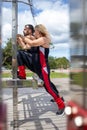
18, 1
20, 83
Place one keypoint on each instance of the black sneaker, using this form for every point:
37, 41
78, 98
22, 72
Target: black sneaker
63, 99
52, 100
60, 111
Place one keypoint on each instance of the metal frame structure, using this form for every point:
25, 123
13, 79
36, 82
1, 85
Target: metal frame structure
0, 51
3, 115
17, 1
14, 58
14, 33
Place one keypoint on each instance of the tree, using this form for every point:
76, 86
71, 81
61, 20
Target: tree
52, 62
7, 54
62, 63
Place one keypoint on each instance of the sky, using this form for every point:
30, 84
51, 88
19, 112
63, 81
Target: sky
54, 14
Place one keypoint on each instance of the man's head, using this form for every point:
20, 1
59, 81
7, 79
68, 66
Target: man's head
28, 30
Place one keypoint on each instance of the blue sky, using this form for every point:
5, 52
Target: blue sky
53, 14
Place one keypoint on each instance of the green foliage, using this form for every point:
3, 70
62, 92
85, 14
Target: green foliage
78, 79
62, 63
56, 63
52, 63
7, 54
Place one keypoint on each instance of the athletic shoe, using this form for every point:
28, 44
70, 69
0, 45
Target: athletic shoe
61, 111
52, 100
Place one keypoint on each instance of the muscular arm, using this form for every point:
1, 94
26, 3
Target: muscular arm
36, 42
42, 41
21, 43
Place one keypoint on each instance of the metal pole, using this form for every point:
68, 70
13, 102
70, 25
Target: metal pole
84, 50
3, 114
0, 51
14, 62
31, 8
18, 1
14, 33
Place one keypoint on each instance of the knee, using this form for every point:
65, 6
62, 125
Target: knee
18, 53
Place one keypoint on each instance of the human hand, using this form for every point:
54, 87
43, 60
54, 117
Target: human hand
19, 35
19, 40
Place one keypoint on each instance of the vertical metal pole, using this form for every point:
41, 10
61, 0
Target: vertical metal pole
3, 114
14, 62
84, 50
14, 33
0, 51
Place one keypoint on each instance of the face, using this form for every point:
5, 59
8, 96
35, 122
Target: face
27, 31
37, 34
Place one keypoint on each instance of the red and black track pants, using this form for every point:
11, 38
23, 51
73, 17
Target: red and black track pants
38, 63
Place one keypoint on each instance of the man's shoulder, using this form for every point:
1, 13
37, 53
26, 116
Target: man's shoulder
30, 37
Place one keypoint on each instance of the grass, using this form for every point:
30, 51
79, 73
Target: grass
29, 74
79, 78
59, 75
6, 75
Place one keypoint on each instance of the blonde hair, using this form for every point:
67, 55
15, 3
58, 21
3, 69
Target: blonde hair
42, 29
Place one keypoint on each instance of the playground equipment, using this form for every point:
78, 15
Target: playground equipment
14, 83
76, 109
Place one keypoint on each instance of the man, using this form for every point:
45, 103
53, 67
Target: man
26, 56
23, 54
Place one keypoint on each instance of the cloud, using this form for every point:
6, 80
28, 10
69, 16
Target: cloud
64, 45
24, 17
55, 17
60, 50
6, 24
53, 14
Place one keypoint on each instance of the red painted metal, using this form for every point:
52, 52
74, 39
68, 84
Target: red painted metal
80, 112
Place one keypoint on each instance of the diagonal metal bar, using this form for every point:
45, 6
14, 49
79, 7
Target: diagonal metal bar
31, 5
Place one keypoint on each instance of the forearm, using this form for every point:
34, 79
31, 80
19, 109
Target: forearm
24, 46
22, 43
37, 42
25, 40
33, 43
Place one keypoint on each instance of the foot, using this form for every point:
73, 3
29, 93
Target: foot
60, 111
20, 77
52, 100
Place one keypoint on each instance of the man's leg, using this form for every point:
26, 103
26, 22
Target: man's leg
24, 59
